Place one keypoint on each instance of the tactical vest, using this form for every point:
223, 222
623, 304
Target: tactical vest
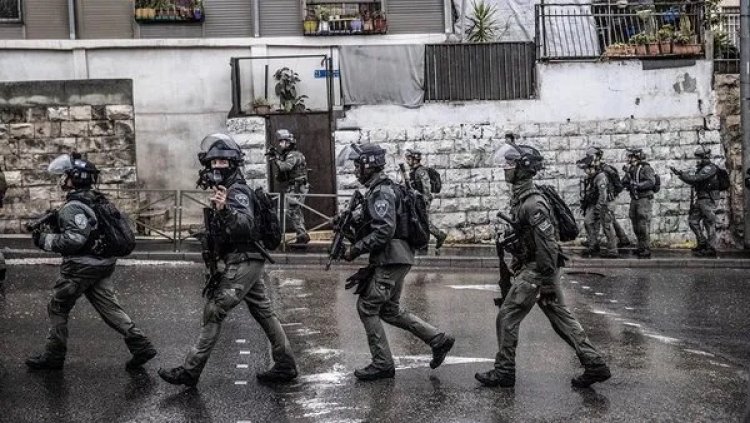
299, 171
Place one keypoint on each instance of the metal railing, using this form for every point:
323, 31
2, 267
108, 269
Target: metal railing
572, 31
726, 27
288, 199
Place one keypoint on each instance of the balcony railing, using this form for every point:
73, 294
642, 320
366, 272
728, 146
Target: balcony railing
726, 27
570, 31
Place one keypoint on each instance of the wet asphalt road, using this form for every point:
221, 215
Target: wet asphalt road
676, 342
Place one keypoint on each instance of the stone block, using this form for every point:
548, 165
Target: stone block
554, 144
43, 129
472, 131
478, 217
117, 175
448, 220
43, 193
709, 137
119, 112
13, 178
491, 132
124, 127
578, 142
258, 171
713, 123
432, 133
58, 113
478, 189
378, 135
347, 137
540, 143
99, 112
688, 137
465, 160
247, 140
398, 135
99, 128
114, 158
80, 112
588, 128
568, 129
480, 175
615, 126
452, 132
549, 129
60, 145
246, 125
529, 130
76, 129
31, 146
255, 156
21, 130
8, 146
31, 178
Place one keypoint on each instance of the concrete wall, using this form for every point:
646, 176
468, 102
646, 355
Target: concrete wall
43, 119
728, 110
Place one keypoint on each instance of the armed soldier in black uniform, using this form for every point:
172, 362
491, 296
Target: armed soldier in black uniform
75, 233
419, 177
598, 205
381, 230
240, 265
537, 260
291, 170
703, 197
641, 182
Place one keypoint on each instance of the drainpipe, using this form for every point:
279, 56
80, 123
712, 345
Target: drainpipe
745, 102
72, 19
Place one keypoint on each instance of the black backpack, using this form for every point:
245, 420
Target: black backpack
721, 180
113, 236
567, 227
413, 222
657, 179
266, 227
436, 184
614, 180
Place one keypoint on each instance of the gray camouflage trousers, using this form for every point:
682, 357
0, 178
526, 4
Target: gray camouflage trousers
240, 282
101, 295
381, 301
604, 220
294, 208
519, 302
702, 217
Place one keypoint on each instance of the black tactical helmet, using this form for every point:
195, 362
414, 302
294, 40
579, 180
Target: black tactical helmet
637, 153
81, 172
702, 152
594, 152
220, 146
284, 134
413, 154
368, 156
522, 157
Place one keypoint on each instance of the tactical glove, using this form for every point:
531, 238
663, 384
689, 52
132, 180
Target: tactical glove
350, 254
38, 238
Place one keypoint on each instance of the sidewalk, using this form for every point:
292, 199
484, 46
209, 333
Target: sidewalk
470, 256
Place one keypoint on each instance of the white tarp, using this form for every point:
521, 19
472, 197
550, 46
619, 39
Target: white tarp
387, 74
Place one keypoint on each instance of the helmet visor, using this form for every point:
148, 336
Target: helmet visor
219, 142
60, 165
345, 158
506, 156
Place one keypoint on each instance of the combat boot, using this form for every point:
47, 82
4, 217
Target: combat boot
624, 243
373, 373
708, 252
609, 255
302, 239
277, 374
700, 247
493, 378
591, 251
637, 251
140, 359
44, 362
440, 239
178, 376
439, 352
591, 375
644, 254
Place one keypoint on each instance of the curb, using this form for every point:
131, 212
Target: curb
456, 262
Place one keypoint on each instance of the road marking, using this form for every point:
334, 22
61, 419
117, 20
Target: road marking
716, 363
585, 287
665, 339
241, 341
488, 287
244, 421
574, 282
291, 324
613, 301
629, 308
243, 366
240, 382
292, 310
598, 293
291, 282
244, 352
635, 325
698, 352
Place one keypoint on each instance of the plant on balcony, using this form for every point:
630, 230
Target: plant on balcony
483, 25
645, 44
665, 34
619, 50
286, 90
261, 106
323, 13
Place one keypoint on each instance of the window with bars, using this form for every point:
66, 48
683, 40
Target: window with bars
730, 24
10, 11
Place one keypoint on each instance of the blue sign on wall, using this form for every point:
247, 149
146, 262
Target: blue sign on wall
323, 73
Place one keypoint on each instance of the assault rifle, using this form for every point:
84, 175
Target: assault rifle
47, 220
404, 175
502, 240
344, 221
210, 253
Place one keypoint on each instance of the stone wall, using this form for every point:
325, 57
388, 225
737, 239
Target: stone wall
250, 134
474, 188
727, 89
41, 120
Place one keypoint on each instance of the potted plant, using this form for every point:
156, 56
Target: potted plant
684, 46
379, 22
665, 34
261, 106
310, 24
286, 90
618, 50
641, 41
323, 13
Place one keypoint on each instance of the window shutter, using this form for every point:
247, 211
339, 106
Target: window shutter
228, 18
415, 16
280, 18
46, 19
105, 19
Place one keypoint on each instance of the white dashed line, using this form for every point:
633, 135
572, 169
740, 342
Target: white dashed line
241, 341
629, 308
585, 287
291, 324
240, 382
613, 301
244, 421
244, 352
716, 363
574, 282
598, 293
243, 366
635, 325
698, 352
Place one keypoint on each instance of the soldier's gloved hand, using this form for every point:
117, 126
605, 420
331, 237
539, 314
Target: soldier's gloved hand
675, 171
350, 254
515, 265
38, 238
547, 294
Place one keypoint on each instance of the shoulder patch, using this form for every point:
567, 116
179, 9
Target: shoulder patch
381, 208
242, 199
81, 220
